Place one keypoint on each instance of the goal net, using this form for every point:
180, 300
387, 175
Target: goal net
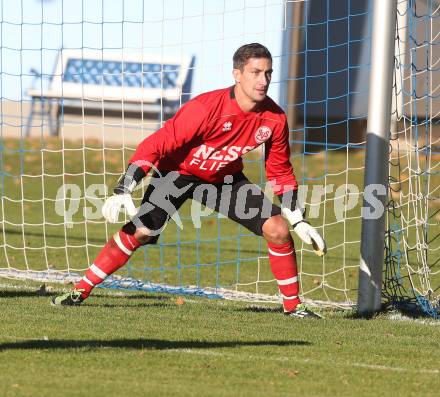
83, 82
412, 273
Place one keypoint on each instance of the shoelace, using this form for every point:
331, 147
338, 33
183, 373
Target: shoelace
301, 308
75, 295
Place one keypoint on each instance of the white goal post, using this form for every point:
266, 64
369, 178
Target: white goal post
400, 252
376, 159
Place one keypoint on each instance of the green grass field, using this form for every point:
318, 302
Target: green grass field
137, 344
153, 345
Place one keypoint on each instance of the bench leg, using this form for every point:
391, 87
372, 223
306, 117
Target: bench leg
52, 129
56, 132
30, 119
160, 114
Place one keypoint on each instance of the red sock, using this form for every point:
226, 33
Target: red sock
114, 255
282, 260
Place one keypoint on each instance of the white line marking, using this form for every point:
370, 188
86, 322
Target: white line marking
305, 361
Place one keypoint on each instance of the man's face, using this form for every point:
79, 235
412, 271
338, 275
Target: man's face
255, 78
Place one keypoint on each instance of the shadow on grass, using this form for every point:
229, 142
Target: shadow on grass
405, 308
24, 294
102, 241
259, 309
10, 293
125, 306
143, 344
146, 295
354, 315
55, 236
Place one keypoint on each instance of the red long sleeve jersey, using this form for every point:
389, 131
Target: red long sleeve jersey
210, 133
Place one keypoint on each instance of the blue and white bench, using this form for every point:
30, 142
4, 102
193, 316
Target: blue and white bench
87, 82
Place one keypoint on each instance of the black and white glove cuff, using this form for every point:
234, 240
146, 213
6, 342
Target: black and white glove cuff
129, 180
294, 217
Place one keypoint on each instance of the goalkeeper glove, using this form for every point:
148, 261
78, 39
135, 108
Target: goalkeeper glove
305, 231
122, 195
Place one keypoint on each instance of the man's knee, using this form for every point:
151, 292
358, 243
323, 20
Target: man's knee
141, 234
276, 230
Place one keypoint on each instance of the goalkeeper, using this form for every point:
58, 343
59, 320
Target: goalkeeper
197, 154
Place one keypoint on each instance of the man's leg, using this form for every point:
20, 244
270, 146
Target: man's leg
246, 205
112, 256
251, 208
144, 229
282, 259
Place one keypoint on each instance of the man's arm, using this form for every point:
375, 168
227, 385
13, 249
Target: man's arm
279, 171
176, 132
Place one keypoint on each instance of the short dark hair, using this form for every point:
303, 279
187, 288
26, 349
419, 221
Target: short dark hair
247, 51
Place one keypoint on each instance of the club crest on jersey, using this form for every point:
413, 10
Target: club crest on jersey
227, 126
263, 134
